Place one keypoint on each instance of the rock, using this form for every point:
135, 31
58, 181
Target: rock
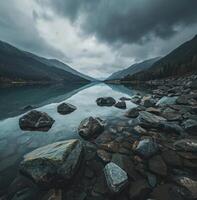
171, 115
190, 126
66, 108
152, 179
36, 121
125, 99
146, 119
136, 99
170, 192
193, 84
121, 105
189, 183
28, 107
148, 101
105, 101
132, 113
171, 127
147, 148
183, 100
112, 146
116, 177
164, 101
104, 155
140, 130
172, 158
53, 164
139, 190
186, 145
153, 110
53, 194
157, 165
90, 127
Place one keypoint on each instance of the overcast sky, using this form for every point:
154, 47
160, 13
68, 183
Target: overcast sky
98, 37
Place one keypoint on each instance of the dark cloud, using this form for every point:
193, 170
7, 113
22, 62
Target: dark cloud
19, 29
128, 21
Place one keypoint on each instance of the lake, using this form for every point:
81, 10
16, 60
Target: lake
14, 143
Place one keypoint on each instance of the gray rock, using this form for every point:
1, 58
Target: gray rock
121, 105
166, 101
190, 126
186, 145
66, 108
146, 119
52, 164
36, 121
132, 113
147, 148
148, 101
90, 127
105, 101
116, 177
125, 99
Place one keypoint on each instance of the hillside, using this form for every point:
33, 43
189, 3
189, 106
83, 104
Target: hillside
20, 66
181, 61
133, 69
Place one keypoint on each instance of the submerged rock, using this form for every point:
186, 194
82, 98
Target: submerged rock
146, 119
105, 101
52, 164
66, 108
121, 105
146, 148
116, 177
36, 121
91, 127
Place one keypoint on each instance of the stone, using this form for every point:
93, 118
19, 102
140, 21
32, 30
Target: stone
120, 105
157, 165
132, 113
136, 99
146, 119
116, 177
190, 126
45, 164
186, 145
36, 121
171, 127
140, 130
188, 183
164, 101
183, 100
139, 190
152, 179
125, 99
172, 158
147, 148
153, 110
66, 108
104, 155
105, 101
170, 192
112, 146
53, 194
28, 107
148, 101
90, 128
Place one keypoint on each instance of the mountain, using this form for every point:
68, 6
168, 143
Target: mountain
133, 69
20, 66
181, 61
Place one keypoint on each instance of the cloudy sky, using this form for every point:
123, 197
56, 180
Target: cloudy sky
98, 37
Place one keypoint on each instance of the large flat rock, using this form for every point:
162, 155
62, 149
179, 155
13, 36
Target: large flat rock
54, 163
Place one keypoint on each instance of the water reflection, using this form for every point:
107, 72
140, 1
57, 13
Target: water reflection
14, 143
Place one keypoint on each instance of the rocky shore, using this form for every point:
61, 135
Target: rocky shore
151, 153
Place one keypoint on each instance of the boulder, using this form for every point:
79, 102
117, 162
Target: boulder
53, 164
148, 101
116, 177
136, 99
90, 127
186, 145
147, 148
149, 120
190, 126
164, 101
36, 121
157, 165
105, 101
132, 113
66, 108
121, 105
104, 155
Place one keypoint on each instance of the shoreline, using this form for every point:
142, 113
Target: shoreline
155, 145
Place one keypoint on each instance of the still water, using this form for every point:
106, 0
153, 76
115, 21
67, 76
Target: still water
14, 143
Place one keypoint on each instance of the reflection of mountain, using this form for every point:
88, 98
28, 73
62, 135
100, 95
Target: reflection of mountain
20, 66
14, 99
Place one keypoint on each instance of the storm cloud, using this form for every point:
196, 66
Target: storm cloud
128, 21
